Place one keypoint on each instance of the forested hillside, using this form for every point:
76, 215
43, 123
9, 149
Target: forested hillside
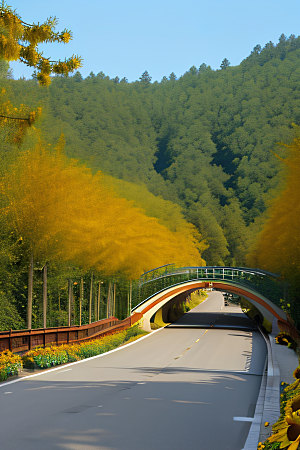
198, 155
204, 140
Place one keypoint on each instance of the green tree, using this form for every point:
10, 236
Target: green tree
4, 68
9, 317
204, 68
224, 64
203, 142
145, 78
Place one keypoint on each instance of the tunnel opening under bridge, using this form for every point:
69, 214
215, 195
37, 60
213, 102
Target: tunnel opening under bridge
161, 307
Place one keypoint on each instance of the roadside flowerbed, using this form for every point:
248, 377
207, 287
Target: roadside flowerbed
286, 431
55, 355
11, 363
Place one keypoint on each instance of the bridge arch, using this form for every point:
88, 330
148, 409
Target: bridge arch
263, 289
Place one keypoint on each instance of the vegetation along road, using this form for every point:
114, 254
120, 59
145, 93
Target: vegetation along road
180, 387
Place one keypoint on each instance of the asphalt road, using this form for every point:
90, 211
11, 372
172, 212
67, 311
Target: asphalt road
179, 388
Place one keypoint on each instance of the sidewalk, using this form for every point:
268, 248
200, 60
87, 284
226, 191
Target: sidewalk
287, 361
282, 361
281, 364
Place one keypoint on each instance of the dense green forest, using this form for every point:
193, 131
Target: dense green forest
204, 142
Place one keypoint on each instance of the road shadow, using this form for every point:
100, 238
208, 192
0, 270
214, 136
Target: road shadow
130, 415
214, 320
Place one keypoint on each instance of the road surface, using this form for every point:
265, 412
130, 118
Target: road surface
188, 386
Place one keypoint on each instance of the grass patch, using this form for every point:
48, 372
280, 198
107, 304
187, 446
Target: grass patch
135, 338
194, 299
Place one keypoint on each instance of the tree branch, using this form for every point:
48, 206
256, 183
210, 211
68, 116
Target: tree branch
15, 118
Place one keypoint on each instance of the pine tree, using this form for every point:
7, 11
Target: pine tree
145, 78
225, 63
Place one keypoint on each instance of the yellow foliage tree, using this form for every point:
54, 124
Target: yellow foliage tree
19, 41
168, 213
277, 248
61, 211
17, 120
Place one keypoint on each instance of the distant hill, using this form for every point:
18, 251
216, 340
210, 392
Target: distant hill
204, 141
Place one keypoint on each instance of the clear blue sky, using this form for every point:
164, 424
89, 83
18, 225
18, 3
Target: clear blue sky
125, 38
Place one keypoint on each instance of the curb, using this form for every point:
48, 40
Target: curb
63, 366
271, 411
268, 402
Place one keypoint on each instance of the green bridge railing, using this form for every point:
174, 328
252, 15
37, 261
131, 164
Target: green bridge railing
268, 284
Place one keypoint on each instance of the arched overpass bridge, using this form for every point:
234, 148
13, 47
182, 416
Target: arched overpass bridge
164, 285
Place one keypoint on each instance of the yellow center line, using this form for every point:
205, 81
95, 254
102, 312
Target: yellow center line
201, 337
191, 346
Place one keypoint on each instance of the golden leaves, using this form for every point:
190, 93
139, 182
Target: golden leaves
168, 215
19, 41
44, 79
17, 120
67, 66
9, 49
29, 55
62, 211
11, 30
278, 245
66, 37
37, 34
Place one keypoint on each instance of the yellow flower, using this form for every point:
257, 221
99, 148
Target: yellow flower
295, 444
287, 431
267, 424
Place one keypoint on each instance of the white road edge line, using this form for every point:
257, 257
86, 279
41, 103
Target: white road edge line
81, 361
246, 419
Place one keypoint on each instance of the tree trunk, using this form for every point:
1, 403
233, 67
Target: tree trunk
108, 308
91, 298
99, 300
81, 300
114, 303
70, 301
96, 305
130, 297
45, 296
128, 303
30, 292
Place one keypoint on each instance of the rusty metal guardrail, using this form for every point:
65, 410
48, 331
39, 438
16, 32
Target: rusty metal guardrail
24, 340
